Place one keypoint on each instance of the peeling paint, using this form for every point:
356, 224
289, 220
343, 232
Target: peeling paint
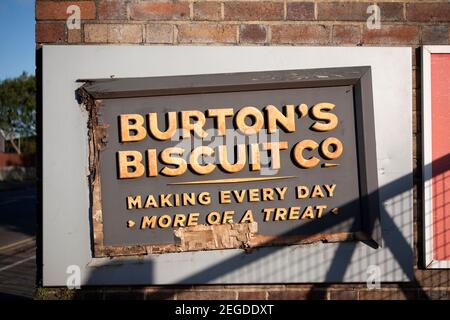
210, 237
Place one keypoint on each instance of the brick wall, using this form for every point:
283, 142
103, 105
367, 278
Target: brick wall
278, 22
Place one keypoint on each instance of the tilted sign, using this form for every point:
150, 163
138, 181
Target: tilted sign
239, 160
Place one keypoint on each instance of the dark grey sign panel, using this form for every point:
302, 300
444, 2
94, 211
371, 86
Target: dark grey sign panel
342, 191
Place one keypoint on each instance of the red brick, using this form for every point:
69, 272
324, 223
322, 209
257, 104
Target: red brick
428, 12
74, 36
136, 294
50, 32
435, 34
252, 287
201, 33
251, 295
346, 34
161, 294
112, 9
436, 294
96, 33
206, 295
253, 11
50, 10
388, 294
308, 34
88, 294
432, 278
207, 11
300, 11
159, 11
392, 34
253, 33
113, 33
390, 11
125, 33
343, 295
313, 294
159, 33
342, 11
351, 11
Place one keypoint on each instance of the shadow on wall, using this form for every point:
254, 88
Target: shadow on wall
396, 199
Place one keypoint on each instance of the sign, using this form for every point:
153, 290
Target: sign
74, 195
225, 161
436, 153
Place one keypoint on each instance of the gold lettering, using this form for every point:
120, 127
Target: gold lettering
134, 203
253, 195
228, 217
213, 218
255, 157
257, 117
239, 196
267, 213
298, 154
220, 115
338, 148
151, 202
240, 162
331, 120
317, 192
197, 127
171, 127
164, 221
179, 220
275, 116
192, 219
308, 213
148, 222
275, 148
134, 163
194, 163
294, 213
330, 189
248, 217
225, 196
280, 214
302, 192
267, 194
164, 200
180, 163
189, 198
137, 127
152, 163
320, 210
204, 198
281, 192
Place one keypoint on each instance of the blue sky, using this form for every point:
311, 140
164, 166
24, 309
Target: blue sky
17, 37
